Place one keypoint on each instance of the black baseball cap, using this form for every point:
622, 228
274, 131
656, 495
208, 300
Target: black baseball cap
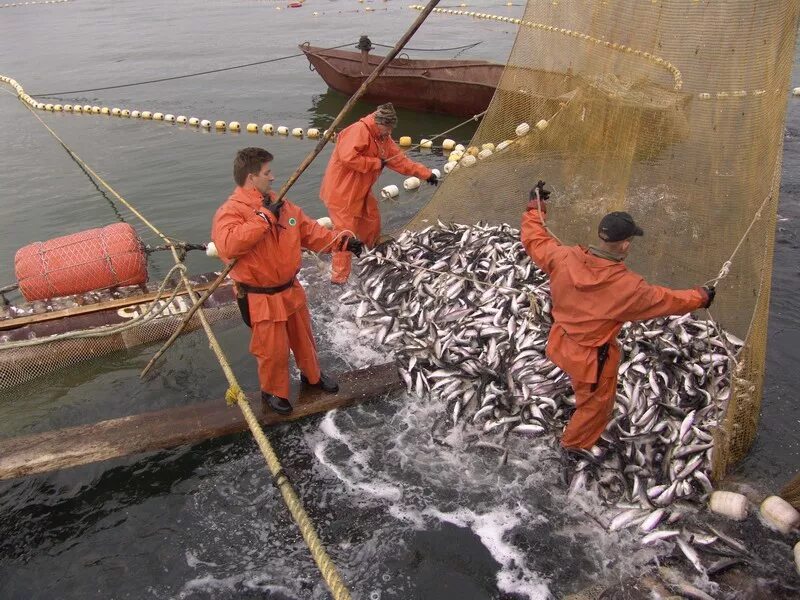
617, 226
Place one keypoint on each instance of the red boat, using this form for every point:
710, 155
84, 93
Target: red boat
453, 87
466, 87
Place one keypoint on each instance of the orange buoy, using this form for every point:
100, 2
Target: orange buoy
80, 262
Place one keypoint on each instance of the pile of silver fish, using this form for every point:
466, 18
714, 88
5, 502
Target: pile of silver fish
468, 314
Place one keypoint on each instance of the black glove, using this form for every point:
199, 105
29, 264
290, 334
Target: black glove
543, 193
354, 245
433, 179
274, 208
711, 291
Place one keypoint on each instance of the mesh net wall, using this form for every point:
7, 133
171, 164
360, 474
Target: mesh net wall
670, 109
23, 364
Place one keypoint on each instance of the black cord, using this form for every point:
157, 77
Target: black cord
252, 64
467, 47
185, 246
123, 85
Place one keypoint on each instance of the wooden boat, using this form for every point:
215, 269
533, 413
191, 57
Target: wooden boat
453, 87
466, 87
92, 311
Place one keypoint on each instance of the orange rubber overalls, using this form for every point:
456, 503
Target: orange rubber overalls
269, 257
347, 186
592, 298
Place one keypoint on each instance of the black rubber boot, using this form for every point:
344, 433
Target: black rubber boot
279, 405
325, 383
569, 458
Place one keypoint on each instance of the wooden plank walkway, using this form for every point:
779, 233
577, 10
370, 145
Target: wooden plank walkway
115, 438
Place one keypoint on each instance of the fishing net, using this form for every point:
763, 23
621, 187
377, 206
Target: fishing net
672, 110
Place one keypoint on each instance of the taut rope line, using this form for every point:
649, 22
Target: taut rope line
235, 395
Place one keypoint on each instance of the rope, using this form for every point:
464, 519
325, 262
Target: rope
726, 266
673, 70
725, 271
112, 329
235, 395
541, 218
119, 216
124, 85
467, 47
88, 169
184, 246
438, 135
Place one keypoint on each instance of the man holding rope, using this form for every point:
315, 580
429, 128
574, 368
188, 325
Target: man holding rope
594, 293
267, 237
362, 151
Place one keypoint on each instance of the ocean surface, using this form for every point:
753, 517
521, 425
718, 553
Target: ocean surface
402, 514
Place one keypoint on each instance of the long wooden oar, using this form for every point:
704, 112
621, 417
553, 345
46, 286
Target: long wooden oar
308, 160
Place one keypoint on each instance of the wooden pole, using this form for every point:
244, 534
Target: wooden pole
314, 153
355, 97
177, 426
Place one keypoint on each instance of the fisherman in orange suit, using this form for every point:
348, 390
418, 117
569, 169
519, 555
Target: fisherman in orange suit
594, 293
362, 151
266, 237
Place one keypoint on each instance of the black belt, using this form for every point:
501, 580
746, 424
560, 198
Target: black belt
602, 357
252, 289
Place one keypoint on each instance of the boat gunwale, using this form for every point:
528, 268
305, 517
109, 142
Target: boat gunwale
351, 56
116, 303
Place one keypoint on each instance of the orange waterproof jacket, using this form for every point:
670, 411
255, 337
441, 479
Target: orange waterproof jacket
356, 165
592, 298
268, 253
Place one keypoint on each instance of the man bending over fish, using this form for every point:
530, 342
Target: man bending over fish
594, 293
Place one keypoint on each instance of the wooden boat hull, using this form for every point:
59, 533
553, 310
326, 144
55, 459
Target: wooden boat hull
453, 87
23, 364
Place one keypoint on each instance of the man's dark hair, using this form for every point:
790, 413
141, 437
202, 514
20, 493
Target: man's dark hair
249, 161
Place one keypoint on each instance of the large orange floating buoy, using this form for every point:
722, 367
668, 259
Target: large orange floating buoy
80, 262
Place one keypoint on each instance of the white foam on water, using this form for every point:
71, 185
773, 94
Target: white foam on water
491, 527
403, 456
329, 428
373, 489
342, 339
412, 517
454, 480
209, 583
194, 562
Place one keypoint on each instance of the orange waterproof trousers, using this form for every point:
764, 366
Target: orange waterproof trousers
270, 344
593, 409
366, 226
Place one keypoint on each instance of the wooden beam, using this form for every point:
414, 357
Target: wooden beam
64, 448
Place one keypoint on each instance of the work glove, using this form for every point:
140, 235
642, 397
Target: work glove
433, 179
543, 196
274, 208
354, 245
543, 193
711, 291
